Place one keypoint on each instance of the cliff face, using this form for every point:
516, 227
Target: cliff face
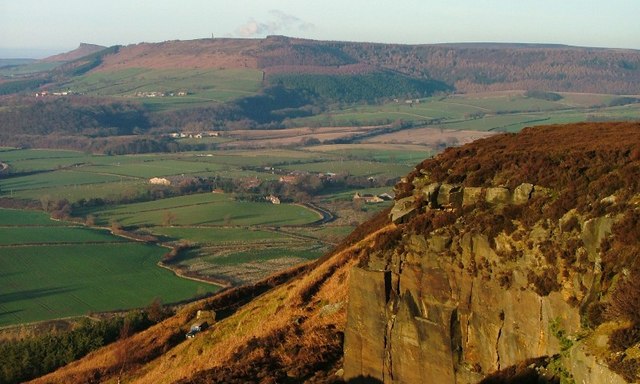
475, 279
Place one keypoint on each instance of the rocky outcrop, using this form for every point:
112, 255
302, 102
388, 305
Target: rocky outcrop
456, 305
439, 196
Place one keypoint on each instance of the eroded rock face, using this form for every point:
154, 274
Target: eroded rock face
450, 305
434, 320
368, 317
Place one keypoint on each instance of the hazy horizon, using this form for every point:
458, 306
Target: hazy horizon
34, 28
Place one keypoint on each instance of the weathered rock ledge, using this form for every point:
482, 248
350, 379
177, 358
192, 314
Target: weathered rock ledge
448, 307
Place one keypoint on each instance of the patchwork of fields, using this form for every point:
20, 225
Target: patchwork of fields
507, 111
53, 270
161, 89
227, 239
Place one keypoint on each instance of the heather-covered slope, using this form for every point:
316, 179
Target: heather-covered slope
467, 68
83, 50
507, 253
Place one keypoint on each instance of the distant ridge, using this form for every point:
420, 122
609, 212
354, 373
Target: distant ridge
467, 67
83, 50
497, 45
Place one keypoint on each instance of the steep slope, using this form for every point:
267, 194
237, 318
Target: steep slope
83, 50
509, 253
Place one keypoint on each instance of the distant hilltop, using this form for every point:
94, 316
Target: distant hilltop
468, 67
83, 50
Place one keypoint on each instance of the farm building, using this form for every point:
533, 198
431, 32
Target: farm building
159, 181
367, 198
273, 199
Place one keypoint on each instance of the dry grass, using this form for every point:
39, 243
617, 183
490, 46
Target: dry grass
370, 147
429, 136
288, 137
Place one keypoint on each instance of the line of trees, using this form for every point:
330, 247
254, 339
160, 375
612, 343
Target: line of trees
25, 359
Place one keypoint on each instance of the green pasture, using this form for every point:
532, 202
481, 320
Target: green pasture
394, 156
75, 192
53, 234
46, 180
49, 282
28, 69
505, 103
499, 122
148, 168
9, 154
205, 209
21, 218
30, 160
501, 111
202, 85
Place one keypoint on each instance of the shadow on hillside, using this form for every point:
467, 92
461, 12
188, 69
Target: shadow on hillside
33, 294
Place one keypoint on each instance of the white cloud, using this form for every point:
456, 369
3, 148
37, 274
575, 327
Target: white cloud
279, 22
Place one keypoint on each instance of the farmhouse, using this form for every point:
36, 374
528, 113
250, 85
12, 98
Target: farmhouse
273, 199
367, 198
159, 181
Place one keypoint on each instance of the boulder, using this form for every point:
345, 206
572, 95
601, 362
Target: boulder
402, 208
471, 195
449, 195
498, 195
522, 193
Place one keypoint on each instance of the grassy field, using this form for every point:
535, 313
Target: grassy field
205, 209
385, 153
75, 175
49, 270
500, 111
21, 218
55, 179
28, 69
201, 85
52, 235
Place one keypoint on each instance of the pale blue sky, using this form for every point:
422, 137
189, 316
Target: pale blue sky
60, 25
